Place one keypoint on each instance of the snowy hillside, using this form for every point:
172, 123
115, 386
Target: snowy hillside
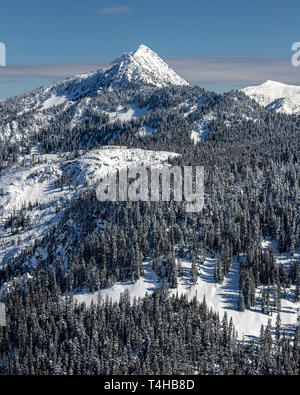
222, 298
37, 187
276, 96
201, 128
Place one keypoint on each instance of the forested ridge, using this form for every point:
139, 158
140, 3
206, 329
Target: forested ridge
251, 158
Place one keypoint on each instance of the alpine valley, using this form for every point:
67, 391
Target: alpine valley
132, 288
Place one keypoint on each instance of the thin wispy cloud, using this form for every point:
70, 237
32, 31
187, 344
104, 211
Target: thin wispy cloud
46, 71
235, 72
208, 72
115, 10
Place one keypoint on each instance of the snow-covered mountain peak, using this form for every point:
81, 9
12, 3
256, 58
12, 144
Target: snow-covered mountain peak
143, 50
142, 66
272, 83
276, 96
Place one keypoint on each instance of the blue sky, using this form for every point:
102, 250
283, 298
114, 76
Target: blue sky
219, 44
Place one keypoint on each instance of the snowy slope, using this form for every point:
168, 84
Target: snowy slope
201, 128
125, 114
276, 96
220, 297
29, 182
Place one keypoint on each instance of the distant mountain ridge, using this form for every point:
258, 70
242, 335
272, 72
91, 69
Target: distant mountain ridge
276, 96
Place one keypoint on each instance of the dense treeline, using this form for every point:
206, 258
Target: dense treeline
46, 335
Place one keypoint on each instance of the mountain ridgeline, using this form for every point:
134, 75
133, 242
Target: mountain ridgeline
276, 96
53, 141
